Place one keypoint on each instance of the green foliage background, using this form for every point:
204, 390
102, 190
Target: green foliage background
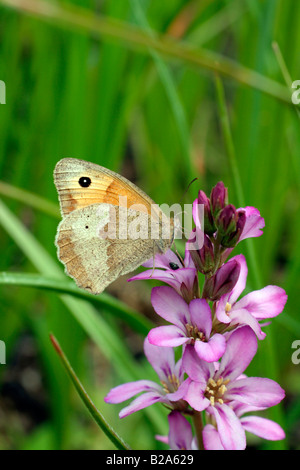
137, 86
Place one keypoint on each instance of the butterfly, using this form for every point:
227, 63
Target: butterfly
100, 236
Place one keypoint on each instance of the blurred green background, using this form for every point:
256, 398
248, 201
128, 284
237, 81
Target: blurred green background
138, 86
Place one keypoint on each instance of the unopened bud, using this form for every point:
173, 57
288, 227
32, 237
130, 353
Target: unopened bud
204, 258
230, 239
209, 225
227, 220
218, 198
223, 281
192, 293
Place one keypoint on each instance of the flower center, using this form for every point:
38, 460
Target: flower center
215, 390
194, 333
227, 307
172, 385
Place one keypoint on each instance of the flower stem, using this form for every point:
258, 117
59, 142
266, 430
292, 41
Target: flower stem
198, 424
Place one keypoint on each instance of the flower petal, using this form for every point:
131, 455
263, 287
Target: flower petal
240, 350
161, 359
165, 276
195, 396
201, 315
125, 391
264, 303
234, 294
255, 391
197, 215
180, 393
199, 371
180, 433
188, 262
243, 317
170, 305
167, 336
211, 438
254, 223
179, 370
147, 399
212, 350
263, 427
163, 260
241, 283
231, 432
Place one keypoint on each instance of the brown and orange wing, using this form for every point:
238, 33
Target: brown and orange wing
81, 184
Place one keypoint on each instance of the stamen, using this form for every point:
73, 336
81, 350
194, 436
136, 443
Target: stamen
194, 333
227, 307
215, 390
172, 385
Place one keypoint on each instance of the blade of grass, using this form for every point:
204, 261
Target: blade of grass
225, 124
76, 18
95, 413
170, 89
30, 199
37, 281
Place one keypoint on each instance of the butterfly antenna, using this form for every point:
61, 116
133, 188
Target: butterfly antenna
189, 185
178, 254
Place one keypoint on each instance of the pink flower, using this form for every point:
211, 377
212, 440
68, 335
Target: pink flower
235, 225
258, 305
191, 324
169, 269
254, 223
261, 427
170, 391
180, 435
219, 390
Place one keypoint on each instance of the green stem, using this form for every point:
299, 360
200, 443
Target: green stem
100, 420
198, 425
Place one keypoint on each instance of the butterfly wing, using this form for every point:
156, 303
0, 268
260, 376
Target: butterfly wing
94, 261
80, 184
87, 194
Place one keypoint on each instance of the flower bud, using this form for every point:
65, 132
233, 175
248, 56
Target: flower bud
192, 293
209, 225
204, 258
230, 239
227, 220
218, 198
223, 281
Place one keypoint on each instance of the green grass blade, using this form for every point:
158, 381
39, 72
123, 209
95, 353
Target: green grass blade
170, 89
37, 281
30, 199
76, 18
95, 413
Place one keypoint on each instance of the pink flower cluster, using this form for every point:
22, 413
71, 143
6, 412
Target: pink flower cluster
217, 331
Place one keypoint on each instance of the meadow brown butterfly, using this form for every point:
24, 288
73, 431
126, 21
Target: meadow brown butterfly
100, 237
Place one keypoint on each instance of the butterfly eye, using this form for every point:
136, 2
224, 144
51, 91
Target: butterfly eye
84, 181
174, 266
